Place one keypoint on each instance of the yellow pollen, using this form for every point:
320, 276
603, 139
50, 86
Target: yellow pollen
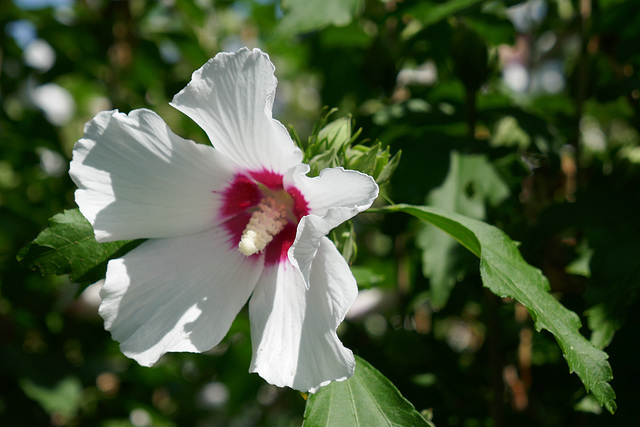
267, 221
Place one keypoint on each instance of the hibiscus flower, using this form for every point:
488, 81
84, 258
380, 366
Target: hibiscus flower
226, 225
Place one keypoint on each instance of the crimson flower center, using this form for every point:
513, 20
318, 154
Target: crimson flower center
261, 215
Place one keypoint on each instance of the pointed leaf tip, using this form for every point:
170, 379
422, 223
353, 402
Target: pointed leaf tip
507, 274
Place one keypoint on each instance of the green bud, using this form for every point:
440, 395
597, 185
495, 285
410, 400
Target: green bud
333, 144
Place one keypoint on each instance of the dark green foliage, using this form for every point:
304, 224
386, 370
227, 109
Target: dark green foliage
555, 165
507, 275
68, 246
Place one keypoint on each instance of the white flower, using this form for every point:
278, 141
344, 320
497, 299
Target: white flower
224, 225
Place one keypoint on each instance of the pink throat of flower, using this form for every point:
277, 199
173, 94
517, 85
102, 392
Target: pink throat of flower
260, 215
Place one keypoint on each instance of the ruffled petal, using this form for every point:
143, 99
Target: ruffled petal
348, 190
333, 198
176, 294
293, 330
137, 179
231, 97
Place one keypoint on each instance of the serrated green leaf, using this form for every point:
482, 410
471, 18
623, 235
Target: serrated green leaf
69, 246
506, 274
366, 399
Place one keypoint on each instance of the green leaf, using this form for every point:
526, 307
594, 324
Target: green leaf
374, 161
441, 263
68, 246
334, 144
431, 12
366, 399
366, 276
304, 16
613, 289
388, 167
470, 185
344, 237
508, 133
580, 265
63, 398
607, 254
496, 29
506, 274
363, 158
319, 162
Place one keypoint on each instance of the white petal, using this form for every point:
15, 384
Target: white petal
137, 179
334, 188
176, 294
293, 330
231, 97
333, 197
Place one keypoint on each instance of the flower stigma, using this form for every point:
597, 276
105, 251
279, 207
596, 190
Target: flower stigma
267, 220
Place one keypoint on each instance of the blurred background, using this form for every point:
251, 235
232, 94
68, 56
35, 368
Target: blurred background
522, 114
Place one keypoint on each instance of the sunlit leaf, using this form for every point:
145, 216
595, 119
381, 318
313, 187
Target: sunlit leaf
366, 399
69, 246
506, 274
